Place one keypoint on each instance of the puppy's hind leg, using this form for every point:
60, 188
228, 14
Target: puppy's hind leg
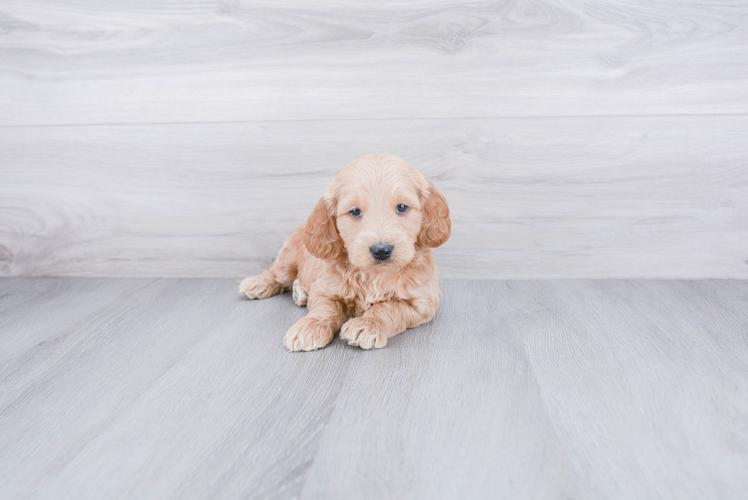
279, 277
260, 287
299, 295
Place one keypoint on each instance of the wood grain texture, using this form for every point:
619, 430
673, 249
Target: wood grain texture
83, 61
651, 197
453, 411
652, 362
147, 388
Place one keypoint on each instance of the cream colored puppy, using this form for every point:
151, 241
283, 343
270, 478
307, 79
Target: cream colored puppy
362, 263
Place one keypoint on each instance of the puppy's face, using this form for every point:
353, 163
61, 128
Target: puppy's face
375, 213
378, 218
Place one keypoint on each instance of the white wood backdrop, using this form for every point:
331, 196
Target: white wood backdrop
188, 138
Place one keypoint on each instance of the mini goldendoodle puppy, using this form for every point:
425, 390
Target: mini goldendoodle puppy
362, 263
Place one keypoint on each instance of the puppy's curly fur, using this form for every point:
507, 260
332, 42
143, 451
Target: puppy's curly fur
330, 264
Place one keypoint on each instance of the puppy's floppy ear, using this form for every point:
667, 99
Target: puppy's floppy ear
321, 236
435, 223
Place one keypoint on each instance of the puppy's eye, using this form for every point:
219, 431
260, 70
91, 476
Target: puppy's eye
401, 209
356, 212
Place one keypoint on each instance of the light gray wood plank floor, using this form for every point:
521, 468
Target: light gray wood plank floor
174, 388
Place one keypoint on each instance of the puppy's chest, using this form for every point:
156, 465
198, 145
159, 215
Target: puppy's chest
360, 296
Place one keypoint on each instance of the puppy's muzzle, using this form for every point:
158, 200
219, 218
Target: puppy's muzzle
381, 251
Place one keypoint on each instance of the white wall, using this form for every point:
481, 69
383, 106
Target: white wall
584, 139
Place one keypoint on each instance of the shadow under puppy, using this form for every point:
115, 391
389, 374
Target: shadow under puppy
363, 262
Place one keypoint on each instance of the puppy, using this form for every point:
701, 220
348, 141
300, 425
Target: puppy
363, 262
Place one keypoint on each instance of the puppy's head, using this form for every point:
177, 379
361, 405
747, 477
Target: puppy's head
376, 213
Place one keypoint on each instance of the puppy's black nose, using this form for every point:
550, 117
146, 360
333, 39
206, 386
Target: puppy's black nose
381, 251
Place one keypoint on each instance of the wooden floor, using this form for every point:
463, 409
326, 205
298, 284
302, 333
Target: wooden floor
167, 388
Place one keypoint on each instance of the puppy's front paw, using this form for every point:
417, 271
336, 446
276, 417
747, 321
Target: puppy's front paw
308, 334
363, 332
260, 287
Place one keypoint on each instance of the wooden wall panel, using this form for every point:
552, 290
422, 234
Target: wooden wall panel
531, 197
84, 61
